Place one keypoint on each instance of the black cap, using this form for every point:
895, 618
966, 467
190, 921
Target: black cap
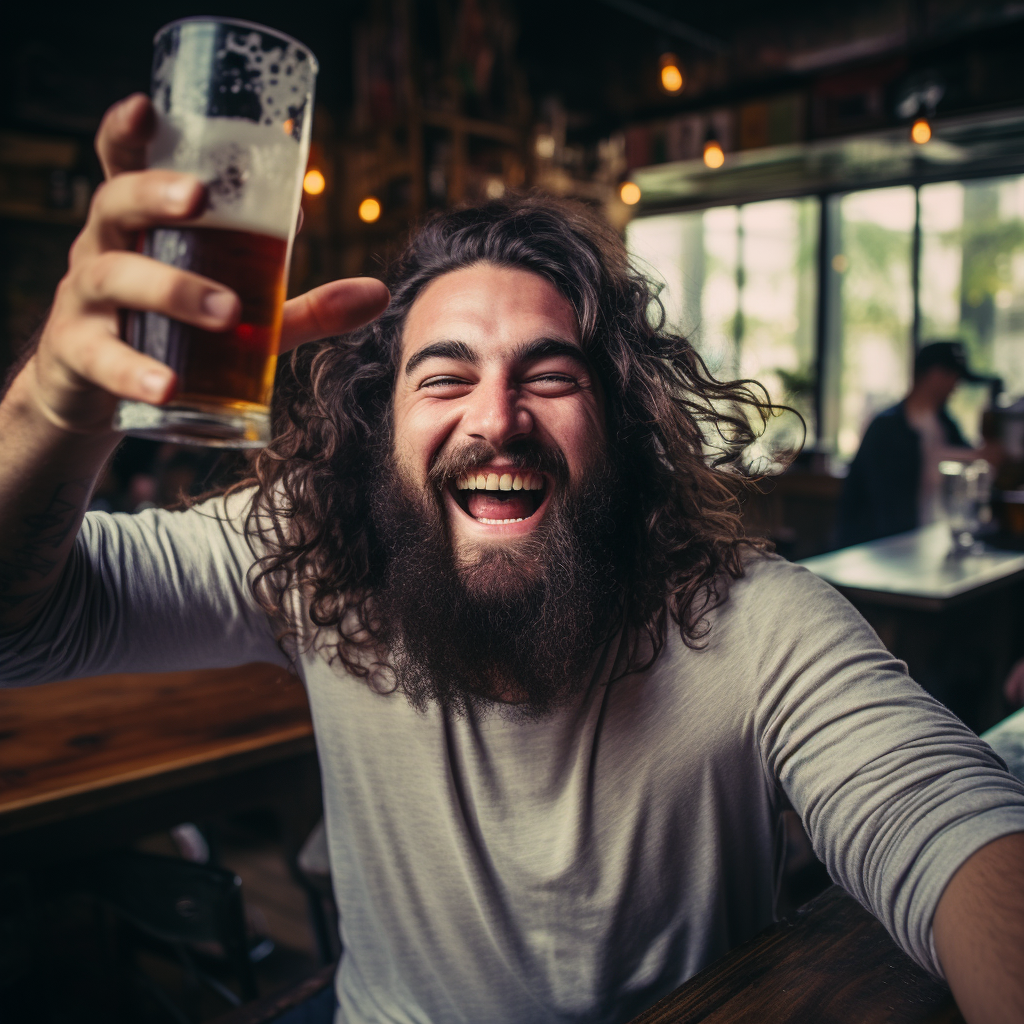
949, 355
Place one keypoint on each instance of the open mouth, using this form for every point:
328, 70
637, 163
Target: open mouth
500, 499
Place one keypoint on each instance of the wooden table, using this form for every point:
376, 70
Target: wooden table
957, 622
90, 764
833, 963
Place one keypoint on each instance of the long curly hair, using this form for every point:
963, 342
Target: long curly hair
678, 433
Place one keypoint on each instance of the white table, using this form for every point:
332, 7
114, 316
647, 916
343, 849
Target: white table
915, 570
1007, 739
956, 621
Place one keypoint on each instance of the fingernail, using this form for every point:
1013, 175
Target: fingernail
153, 383
219, 305
179, 192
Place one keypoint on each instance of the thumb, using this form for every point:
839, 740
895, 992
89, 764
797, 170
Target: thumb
333, 308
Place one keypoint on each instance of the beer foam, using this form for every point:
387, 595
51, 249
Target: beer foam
253, 172
220, 68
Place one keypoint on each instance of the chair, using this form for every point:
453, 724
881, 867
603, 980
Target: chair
311, 869
318, 989
192, 912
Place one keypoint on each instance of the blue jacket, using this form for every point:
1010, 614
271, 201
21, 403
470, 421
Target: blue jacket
880, 496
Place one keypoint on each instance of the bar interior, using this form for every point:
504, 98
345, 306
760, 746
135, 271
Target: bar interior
205, 816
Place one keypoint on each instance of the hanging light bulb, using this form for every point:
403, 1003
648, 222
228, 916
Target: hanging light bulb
921, 131
714, 157
314, 182
672, 77
369, 210
629, 193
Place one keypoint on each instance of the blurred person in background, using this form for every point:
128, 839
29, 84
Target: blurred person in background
894, 484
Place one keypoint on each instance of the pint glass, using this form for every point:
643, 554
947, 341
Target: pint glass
234, 106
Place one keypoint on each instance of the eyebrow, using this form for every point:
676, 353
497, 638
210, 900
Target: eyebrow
542, 348
443, 350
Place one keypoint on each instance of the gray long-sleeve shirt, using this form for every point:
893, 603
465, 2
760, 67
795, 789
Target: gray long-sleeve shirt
580, 867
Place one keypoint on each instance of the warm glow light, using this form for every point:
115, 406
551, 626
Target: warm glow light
545, 146
369, 210
671, 78
630, 193
288, 126
313, 183
921, 131
713, 155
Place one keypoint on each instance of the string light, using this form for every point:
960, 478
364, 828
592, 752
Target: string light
672, 77
713, 155
629, 193
314, 182
369, 210
921, 131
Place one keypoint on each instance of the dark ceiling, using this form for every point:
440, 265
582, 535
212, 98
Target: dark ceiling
600, 60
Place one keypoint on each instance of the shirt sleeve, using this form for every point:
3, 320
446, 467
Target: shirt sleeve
157, 591
894, 791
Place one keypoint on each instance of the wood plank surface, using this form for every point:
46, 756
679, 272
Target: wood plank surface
72, 747
833, 963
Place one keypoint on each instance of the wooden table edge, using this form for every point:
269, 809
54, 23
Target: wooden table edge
225, 759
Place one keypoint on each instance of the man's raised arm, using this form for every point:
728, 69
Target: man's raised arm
55, 418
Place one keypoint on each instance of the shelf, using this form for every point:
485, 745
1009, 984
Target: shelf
40, 215
473, 126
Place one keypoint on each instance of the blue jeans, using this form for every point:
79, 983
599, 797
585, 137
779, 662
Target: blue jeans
318, 1009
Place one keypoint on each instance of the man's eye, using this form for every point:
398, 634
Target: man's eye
549, 382
444, 382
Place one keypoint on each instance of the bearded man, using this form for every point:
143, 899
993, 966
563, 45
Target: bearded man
560, 700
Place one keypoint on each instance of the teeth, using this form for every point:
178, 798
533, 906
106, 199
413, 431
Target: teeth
499, 522
504, 482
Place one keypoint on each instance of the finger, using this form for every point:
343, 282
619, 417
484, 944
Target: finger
134, 201
126, 280
124, 132
332, 309
98, 358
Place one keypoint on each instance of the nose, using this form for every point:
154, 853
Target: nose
495, 413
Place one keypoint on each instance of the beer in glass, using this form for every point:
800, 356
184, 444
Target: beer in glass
234, 106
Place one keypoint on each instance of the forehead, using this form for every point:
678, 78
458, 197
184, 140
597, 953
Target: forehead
488, 307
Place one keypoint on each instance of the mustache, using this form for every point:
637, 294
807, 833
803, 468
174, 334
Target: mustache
528, 454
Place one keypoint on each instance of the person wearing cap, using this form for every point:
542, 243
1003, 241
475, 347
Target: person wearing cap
894, 482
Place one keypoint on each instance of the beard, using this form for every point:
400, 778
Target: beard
513, 625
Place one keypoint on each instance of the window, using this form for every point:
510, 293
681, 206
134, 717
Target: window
873, 258
743, 281
740, 282
972, 281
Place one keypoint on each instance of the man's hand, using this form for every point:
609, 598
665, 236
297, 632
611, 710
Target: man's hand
82, 367
979, 933
56, 417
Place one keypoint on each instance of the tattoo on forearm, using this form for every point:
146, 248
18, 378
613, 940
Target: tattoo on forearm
40, 541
